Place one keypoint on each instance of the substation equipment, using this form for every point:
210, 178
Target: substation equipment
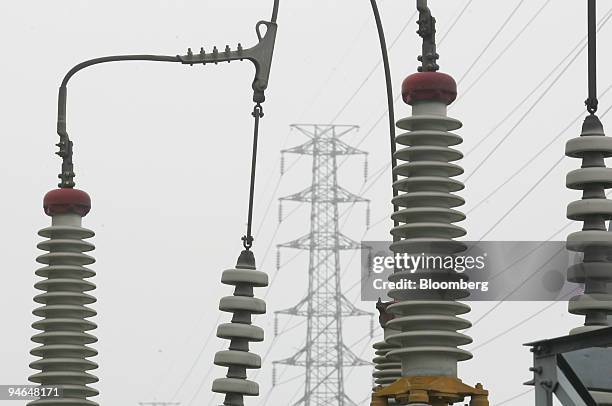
416, 363
577, 368
426, 324
65, 329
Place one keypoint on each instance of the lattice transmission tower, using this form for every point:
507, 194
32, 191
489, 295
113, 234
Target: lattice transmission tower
324, 354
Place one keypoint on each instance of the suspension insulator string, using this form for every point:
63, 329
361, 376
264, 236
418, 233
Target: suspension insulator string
593, 147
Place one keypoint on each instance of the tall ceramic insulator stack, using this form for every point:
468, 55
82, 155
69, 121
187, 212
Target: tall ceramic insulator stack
64, 338
428, 321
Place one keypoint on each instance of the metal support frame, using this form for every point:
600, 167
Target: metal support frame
552, 372
69, 370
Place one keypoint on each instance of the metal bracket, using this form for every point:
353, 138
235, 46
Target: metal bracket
436, 390
552, 373
260, 55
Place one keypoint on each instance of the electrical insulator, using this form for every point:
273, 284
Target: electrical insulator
365, 170
593, 178
280, 212
240, 331
274, 381
278, 259
64, 336
386, 370
282, 164
275, 325
428, 328
368, 216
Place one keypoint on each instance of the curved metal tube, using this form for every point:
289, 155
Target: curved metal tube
260, 54
390, 107
65, 145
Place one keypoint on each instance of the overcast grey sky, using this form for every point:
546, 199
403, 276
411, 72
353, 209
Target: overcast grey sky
163, 150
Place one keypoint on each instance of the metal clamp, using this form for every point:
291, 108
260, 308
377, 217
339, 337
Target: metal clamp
427, 31
260, 55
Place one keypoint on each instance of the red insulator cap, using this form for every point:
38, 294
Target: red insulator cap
429, 86
65, 201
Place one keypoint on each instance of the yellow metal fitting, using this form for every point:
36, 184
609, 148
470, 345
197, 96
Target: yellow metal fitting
379, 401
418, 396
479, 400
433, 390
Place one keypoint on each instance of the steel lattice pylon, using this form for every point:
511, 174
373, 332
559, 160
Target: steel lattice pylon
324, 354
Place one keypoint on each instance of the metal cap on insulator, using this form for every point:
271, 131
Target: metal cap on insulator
246, 260
67, 201
429, 86
592, 126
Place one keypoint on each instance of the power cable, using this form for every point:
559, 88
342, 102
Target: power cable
455, 21
580, 48
530, 190
515, 326
492, 40
532, 159
499, 56
515, 397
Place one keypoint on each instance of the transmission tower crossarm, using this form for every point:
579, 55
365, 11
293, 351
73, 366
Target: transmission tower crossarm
320, 130
336, 147
322, 241
340, 195
350, 310
351, 359
296, 310
293, 360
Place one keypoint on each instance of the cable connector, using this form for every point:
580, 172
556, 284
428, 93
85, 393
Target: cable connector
260, 55
427, 31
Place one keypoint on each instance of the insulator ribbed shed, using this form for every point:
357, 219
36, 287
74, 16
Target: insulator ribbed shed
428, 325
65, 329
594, 209
386, 370
240, 331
